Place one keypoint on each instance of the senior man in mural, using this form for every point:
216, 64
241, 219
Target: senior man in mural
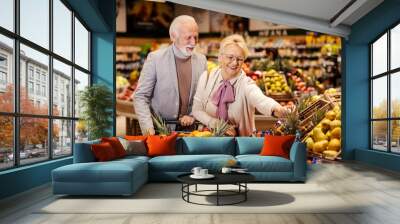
169, 77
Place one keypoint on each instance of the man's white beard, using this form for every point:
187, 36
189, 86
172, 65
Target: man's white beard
185, 52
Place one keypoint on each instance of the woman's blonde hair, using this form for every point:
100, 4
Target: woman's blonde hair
237, 40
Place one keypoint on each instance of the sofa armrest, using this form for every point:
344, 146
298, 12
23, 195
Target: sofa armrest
83, 152
298, 155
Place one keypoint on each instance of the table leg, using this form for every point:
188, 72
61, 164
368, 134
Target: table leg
217, 194
245, 191
196, 188
188, 190
182, 188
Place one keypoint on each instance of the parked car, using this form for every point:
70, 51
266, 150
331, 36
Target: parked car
22, 155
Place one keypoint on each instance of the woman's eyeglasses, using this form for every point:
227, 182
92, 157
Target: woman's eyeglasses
231, 58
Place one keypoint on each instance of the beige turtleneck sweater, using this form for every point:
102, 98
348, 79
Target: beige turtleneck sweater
184, 75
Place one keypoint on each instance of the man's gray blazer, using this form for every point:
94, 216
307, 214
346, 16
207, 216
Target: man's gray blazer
158, 86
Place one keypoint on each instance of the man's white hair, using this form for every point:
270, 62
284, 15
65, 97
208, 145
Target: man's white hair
178, 21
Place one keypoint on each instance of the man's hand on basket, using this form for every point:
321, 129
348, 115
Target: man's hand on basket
186, 120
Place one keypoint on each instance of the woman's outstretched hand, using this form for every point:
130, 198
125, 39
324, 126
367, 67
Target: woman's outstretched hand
280, 111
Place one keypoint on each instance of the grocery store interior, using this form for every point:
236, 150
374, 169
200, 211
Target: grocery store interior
287, 63
338, 62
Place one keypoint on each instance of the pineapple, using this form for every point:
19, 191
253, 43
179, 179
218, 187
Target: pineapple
220, 128
289, 123
160, 125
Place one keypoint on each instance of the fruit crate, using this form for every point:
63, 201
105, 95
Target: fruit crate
305, 116
311, 154
318, 105
334, 98
283, 96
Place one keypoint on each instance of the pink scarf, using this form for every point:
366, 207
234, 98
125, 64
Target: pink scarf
222, 97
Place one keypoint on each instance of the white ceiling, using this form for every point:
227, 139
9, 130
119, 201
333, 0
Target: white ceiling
314, 15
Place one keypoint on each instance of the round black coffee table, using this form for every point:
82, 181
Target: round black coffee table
238, 179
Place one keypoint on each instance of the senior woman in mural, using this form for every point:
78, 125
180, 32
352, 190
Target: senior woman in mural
228, 94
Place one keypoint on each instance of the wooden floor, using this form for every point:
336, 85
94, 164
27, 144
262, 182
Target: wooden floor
377, 188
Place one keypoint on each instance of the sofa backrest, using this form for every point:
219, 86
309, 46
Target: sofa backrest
215, 145
83, 152
190, 146
249, 145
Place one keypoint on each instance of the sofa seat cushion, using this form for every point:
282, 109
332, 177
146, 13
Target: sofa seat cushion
133, 157
257, 163
185, 163
112, 171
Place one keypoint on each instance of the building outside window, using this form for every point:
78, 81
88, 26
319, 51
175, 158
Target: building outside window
55, 98
3, 72
3, 78
44, 91
37, 75
3, 81
3, 61
30, 72
43, 78
37, 89
30, 87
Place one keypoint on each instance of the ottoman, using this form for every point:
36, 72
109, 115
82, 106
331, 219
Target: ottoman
119, 177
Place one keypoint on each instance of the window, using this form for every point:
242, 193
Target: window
44, 91
3, 72
30, 87
34, 21
81, 45
62, 29
62, 74
38, 89
62, 140
30, 73
7, 14
81, 81
7, 142
37, 74
3, 78
6, 89
53, 125
33, 148
3, 81
385, 96
3, 61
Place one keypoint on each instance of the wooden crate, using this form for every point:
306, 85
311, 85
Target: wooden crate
334, 98
277, 96
320, 155
306, 115
318, 105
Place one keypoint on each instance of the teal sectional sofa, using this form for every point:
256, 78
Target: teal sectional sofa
125, 176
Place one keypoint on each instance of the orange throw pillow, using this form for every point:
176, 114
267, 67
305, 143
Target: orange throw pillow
277, 145
135, 137
116, 145
103, 152
161, 145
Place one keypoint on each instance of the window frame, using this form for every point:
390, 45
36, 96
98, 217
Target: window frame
388, 74
16, 114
